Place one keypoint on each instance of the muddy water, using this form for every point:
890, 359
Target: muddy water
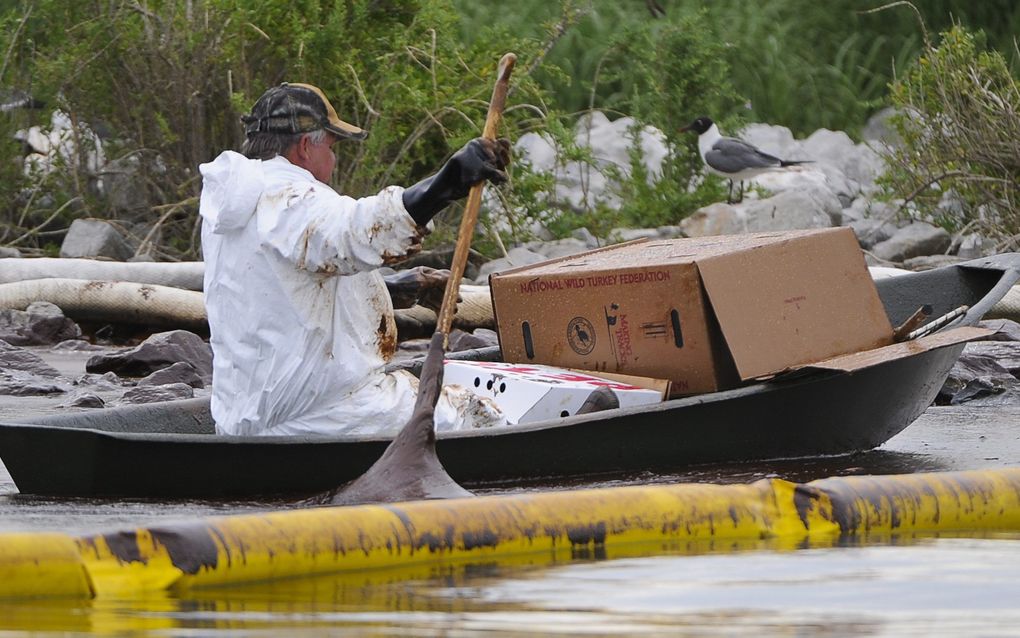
911, 587
902, 586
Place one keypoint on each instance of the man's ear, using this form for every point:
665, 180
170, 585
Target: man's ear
304, 147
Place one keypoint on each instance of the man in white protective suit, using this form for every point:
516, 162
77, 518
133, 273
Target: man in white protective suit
300, 318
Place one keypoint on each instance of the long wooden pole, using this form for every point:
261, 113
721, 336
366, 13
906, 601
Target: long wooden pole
474, 200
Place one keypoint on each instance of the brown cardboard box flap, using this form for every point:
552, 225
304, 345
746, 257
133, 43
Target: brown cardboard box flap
662, 386
862, 360
777, 304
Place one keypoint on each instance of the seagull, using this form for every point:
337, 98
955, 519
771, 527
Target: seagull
732, 158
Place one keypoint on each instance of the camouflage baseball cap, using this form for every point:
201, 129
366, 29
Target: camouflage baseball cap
297, 108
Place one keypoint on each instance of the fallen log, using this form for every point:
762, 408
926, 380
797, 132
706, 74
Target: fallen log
164, 306
186, 275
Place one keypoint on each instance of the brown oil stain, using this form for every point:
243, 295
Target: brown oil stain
386, 338
191, 547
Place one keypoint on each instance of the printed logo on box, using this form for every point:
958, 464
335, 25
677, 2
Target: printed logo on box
581, 335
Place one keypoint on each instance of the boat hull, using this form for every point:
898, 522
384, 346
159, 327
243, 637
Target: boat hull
832, 413
168, 450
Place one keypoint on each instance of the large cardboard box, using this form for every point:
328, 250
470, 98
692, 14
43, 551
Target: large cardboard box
704, 313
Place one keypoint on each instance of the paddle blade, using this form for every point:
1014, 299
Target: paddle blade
409, 469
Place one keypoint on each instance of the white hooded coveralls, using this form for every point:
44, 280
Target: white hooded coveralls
301, 321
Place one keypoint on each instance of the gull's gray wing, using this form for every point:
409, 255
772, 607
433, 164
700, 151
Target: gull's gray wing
729, 155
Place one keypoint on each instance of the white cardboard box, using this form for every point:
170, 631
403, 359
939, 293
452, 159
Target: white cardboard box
528, 393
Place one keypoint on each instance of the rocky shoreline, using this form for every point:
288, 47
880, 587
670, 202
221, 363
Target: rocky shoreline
837, 188
74, 374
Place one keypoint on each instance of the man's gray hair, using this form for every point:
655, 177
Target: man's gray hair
265, 145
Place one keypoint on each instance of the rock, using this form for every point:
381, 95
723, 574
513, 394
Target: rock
157, 393
8, 252
972, 246
561, 248
858, 162
583, 234
26, 385
42, 323
179, 372
714, 219
125, 190
585, 186
1005, 353
84, 400
13, 358
793, 210
800, 197
849, 168
159, 351
611, 142
976, 375
1006, 329
441, 259
76, 345
95, 238
913, 240
517, 256
773, 139
618, 235
871, 220
790, 209
879, 129
480, 338
883, 272
108, 381
928, 262
871, 232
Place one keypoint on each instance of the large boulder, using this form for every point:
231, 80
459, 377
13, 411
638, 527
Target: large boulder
95, 238
978, 377
42, 323
583, 185
913, 240
159, 351
518, 256
787, 210
179, 372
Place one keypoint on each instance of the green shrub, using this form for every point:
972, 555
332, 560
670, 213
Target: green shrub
170, 79
959, 121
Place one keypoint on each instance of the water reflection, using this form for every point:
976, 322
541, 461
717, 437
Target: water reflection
800, 470
907, 585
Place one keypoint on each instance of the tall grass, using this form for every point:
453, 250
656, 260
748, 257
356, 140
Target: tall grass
801, 63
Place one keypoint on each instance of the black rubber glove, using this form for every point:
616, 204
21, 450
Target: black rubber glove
480, 159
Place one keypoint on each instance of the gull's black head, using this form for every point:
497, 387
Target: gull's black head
699, 125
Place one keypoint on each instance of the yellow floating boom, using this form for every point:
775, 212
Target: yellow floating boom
230, 550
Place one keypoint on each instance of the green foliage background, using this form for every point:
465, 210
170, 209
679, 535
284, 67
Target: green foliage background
959, 119
168, 80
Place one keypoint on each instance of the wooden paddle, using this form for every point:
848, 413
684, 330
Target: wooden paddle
409, 468
467, 224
